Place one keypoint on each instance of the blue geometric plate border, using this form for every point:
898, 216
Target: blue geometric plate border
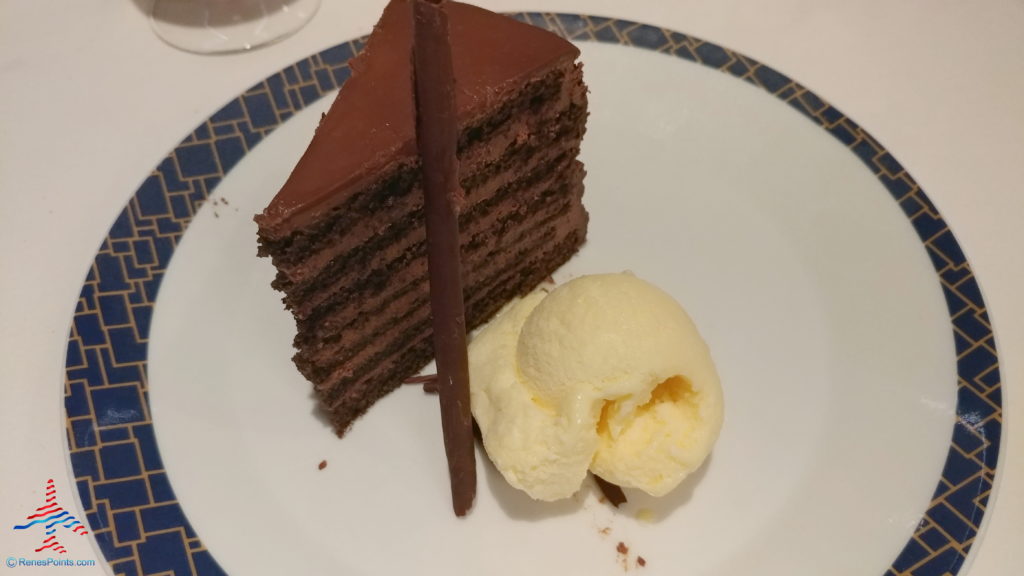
130, 506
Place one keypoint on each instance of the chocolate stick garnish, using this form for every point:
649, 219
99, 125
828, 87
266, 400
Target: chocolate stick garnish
436, 137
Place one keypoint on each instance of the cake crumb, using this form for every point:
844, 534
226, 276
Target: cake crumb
322, 465
640, 561
605, 531
623, 557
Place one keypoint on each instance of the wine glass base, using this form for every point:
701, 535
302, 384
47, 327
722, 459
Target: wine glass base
219, 26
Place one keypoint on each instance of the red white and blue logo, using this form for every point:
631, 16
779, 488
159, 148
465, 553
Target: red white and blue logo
51, 516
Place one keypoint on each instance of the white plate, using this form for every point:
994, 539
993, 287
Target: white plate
819, 301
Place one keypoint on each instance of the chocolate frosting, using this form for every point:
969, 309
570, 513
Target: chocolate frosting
371, 124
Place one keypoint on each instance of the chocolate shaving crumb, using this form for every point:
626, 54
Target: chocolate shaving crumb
622, 548
322, 465
612, 492
224, 201
640, 561
429, 382
420, 379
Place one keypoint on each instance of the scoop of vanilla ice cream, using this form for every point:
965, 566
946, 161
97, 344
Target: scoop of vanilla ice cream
606, 373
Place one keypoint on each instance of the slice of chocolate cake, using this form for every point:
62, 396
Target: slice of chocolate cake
346, 232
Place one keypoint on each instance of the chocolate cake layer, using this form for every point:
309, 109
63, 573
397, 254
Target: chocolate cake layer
494, 287
300, 255
388, 375
374, 331
404, 242
346, 233
345, 333
367, 242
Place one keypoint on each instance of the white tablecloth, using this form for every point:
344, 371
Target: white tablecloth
91, 99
